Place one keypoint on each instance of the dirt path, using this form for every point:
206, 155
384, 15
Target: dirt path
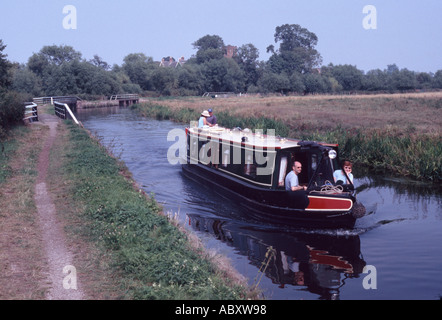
62, 273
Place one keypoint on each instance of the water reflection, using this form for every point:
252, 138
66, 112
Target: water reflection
317, 262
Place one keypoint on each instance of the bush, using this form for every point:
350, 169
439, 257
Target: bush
11, 110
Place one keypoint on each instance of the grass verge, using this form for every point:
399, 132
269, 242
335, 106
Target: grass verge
150, 257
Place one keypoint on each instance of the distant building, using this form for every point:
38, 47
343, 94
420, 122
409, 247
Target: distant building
230, 51
170, 62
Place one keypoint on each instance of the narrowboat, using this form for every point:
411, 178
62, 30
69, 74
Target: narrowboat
250, 168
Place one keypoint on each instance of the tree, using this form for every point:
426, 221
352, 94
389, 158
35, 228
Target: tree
424, 80
11, 103
164, 80
222, 75
99, 62
296, 83
191, 79
437, 80
139, 68
315, 83
209, 47
375, 80
349, 77
272, 82
405, 80
247, 58
296, 51
5, 66
25, 81
58, 55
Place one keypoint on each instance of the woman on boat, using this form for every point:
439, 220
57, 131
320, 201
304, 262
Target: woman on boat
339, 175
203, 119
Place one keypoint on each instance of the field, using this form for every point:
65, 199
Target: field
419, 113
400, 133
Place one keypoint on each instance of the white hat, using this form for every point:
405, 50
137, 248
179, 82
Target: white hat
205, 113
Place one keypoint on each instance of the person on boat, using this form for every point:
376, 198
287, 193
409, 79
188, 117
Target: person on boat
203, 119
212, 118
339, 175
291, 180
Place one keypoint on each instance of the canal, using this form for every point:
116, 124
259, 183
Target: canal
394, 252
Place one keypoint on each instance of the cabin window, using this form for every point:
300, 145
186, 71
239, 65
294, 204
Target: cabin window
314, 161
265, 164
203, 153
282, 171
226, 158
194, 148
250, 166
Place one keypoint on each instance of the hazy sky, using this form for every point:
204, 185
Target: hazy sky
408, 32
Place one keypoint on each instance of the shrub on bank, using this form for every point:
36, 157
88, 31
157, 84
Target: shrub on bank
12, 110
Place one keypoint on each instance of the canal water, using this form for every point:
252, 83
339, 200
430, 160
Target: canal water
394, 252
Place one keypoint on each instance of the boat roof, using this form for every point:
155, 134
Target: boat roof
248, 138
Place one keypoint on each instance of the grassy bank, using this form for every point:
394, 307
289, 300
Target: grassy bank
398, 133
150, 256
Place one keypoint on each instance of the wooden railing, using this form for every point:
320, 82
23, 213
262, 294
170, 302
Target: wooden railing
128, 96
31, 112
62, 110
50, 100
219, 94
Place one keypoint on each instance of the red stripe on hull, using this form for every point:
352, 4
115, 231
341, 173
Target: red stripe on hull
329, 204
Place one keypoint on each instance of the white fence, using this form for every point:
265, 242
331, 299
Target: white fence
62, 110
31, 112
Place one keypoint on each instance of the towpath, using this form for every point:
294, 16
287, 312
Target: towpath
62, 277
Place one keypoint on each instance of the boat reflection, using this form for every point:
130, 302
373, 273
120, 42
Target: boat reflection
311, 260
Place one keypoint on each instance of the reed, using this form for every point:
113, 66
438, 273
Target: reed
399, 133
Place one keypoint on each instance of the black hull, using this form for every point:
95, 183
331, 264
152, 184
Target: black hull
276, 207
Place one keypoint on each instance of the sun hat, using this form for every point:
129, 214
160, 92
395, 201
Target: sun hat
205, 113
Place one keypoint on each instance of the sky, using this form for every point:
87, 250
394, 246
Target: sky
407, 33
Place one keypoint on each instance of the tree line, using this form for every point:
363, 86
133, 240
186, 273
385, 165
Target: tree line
294, 66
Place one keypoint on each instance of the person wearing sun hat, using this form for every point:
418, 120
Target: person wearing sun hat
203, 119
212, 118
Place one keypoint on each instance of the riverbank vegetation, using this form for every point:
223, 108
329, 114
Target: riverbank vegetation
395, 133
151, 258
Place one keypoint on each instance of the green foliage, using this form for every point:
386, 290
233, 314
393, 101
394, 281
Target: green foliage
5, 65
154, 257
293, 67
419, 157
7, 148
12, 110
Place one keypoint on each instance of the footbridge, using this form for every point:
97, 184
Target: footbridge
125, 99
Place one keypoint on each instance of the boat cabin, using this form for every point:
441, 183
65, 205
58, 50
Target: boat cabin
262, 160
